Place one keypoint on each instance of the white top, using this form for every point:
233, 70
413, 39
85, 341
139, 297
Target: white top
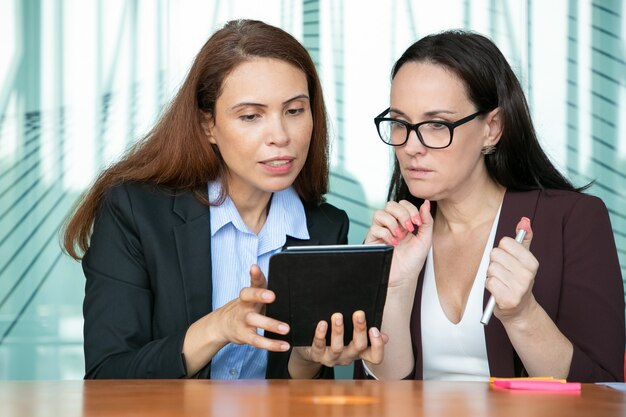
455, 352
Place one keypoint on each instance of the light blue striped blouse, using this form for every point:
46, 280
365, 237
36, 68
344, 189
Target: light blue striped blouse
233, 249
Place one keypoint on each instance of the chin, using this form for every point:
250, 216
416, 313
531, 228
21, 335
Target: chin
425, 193
276, 186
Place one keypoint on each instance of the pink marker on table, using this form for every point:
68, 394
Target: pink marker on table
537, 385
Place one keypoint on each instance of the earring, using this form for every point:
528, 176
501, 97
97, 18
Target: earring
488, 150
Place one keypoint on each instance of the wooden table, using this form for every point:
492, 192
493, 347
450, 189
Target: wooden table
296, 398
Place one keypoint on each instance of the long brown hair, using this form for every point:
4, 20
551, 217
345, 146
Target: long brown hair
176, 153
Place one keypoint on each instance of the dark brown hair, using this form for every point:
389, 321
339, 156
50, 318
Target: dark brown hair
518, 163
176, 153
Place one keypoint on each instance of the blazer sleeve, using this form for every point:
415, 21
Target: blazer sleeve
118, 302
591, 307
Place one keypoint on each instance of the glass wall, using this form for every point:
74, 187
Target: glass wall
80, 81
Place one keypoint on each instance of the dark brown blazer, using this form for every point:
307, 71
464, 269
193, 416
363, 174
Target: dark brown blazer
148, 278
579, 284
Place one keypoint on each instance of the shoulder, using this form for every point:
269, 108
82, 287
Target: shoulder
147, 200
569, 202
557, 201
136, 191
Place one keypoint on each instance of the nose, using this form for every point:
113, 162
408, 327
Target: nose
414, 145
277, 132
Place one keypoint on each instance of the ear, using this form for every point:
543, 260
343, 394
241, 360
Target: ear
208, 123
494, 127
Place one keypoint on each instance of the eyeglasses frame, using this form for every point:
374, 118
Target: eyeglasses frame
414, 127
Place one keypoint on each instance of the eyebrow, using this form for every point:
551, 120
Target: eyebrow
249, 103
430, 113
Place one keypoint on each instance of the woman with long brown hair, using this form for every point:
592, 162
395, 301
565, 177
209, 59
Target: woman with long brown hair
175, 238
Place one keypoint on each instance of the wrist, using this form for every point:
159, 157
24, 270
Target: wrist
300, 367
525, 318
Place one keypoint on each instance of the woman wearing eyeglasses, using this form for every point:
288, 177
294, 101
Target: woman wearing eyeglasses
469, 175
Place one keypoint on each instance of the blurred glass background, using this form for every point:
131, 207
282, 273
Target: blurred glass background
81, 80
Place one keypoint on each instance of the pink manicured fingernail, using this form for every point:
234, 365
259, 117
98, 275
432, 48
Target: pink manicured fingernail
398, 233
375, 332
408, 225
417, 220
394, 241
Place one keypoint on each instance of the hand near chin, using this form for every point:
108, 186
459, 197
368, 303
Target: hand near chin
410, 230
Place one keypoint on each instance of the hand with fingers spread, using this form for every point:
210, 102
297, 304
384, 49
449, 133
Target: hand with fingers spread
305, 362
240, 318
511, 275
409, 229
236, 322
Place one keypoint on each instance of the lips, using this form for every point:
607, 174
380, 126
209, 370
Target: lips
279, 165
278, 161
418, 172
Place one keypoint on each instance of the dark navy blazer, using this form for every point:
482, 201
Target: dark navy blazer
148, 278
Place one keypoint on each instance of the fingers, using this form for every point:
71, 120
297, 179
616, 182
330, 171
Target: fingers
408, 216
337, 353
394, 222
256, 320
336, 336
239, 324
318, 346
426, 228
359, 333
514, 256
256, 295
262, 342
377, 349
257, 279
385, 228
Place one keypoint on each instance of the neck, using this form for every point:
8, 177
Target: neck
474, 208
253, 207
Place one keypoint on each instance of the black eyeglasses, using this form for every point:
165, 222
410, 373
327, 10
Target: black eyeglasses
434, 134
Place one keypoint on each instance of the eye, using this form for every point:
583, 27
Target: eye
396, 124
249, 117
435, 126
295, 112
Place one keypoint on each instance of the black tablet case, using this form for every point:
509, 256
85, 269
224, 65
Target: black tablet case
312, 283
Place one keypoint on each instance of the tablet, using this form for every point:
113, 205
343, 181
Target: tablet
313, 282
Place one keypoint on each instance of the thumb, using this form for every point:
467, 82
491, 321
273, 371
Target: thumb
524, 224
426, 228
257, 279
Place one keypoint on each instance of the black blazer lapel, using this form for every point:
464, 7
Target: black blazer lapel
311, 226
193, 246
